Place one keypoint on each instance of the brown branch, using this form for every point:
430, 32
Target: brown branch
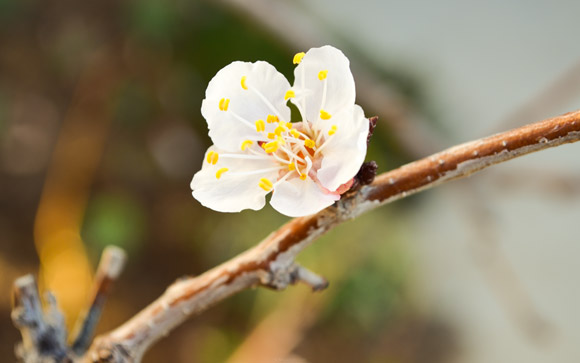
271, 263
109, 269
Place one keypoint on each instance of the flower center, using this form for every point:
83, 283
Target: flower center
294, 148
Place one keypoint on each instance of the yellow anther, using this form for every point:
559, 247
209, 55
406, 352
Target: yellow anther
224, 103
289, 94
332, 130
303, 176
298, 57
244, 86
265, 184
220, 172
295, 133
309, 143
271, 119
271, 135
279, 130
212, 157
291, 166
271, 147
289, 125
246, 144
260, 125
322, 74
280, 140
325, 115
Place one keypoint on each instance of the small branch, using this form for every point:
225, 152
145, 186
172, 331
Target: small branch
109, 269
43, 335
271, 263
316, 282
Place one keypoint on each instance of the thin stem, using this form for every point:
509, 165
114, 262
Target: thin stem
110, 266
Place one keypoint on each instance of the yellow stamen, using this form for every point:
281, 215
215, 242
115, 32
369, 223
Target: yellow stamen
322, 74
279, 130
265, 184
220, 172
271, 119
224, 103
295, 133
303, 176
332, 130
212, 157
289, 94
325, 115
298, 57
244, 86
309, 143
291, 166
260, 125
289, 125
271, 146
281, 140
246, 144
271, 135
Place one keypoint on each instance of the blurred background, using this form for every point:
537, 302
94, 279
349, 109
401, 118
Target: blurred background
101, 133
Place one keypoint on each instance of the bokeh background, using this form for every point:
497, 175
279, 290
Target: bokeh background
101, 133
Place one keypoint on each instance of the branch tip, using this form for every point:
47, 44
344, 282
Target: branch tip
112, 262
315, 281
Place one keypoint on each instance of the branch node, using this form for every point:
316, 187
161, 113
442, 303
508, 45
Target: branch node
315, 281
280, 278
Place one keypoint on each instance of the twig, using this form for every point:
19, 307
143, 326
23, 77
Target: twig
109, 269
43, 334
271, 263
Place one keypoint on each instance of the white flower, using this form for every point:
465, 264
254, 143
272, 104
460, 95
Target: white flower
306, 164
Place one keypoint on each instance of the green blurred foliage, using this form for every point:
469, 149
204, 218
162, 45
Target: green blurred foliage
115, 219
12, 10
153, 20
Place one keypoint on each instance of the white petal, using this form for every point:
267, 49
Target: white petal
231, 192
264, 96
340, 89
297, 198
346, 149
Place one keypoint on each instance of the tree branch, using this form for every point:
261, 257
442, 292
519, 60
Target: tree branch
110, 267
271, 263
44, 335
43, 332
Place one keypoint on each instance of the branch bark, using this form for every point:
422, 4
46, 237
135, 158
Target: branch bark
271, 263
44, 334
110, 267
